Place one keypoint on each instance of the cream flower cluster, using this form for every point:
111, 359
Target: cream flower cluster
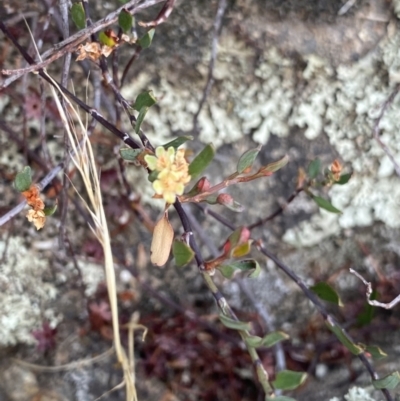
173, 172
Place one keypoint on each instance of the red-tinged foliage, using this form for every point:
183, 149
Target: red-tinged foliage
92, 248
198, 364
46, 337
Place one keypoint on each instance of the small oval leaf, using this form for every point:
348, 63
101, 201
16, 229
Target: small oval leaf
247, 265
314, 168
253, 341
140, 118
153, 176
376, 352
289, 380
49, 211
325, 204
326, 293
343, 338
344, 179
107, 40
389, 382
227, 271
202, 160
183, 253
275, 166
23, 180
175, 143
129, 154
241, 250
234, 324
247, 159
267, 341
163, 235
78, 15
146, 39
125, 20
273, 338
144, 99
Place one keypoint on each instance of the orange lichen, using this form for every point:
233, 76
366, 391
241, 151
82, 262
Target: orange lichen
36, 214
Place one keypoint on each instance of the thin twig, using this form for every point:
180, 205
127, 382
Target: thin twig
346, 7
220, 299
162, 16
214, 47
261, 310
376, 129
277, 211
73, 41
93, 112
42, 184
308, 293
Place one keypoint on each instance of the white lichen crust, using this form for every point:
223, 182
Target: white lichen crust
24, 293
275, 94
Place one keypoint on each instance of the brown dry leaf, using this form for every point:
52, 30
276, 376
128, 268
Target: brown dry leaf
91, 50
106, 50
163, 235
37, 217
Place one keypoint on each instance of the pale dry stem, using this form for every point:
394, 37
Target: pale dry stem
83, 158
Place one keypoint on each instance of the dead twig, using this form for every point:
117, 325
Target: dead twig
372, 302
70, 44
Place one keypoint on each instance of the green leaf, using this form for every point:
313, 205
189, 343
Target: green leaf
145, 40
23, 180
240, 236
389, 382
234, 324
344, 339
212, 199
234, 206
183, 253
125, 20
78, 15
153, 176
129, 154
314, 168
267, 341
273, 338
280, 398
325, 204
376, 352
289, 380
326, 293
49, 211
247, 159
253, 341
202, 160
227, 271
241, 250
175, 143
247, 265
344, 179
275, 166
144, 99
142, 114
104, 39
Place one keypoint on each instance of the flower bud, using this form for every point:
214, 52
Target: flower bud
225, 199
203, 185
336, 169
